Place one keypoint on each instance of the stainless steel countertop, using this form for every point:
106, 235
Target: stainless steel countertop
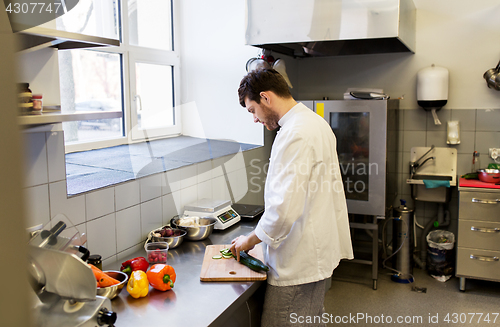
191, 302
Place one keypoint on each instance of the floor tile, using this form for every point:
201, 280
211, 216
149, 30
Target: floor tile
351, 294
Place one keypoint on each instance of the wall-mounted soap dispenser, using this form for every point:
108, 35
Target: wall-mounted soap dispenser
432, 89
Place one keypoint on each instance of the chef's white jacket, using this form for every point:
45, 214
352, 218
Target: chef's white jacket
305, 222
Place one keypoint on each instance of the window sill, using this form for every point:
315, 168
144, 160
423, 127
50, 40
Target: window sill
90, 170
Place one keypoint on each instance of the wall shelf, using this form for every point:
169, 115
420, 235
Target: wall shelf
60, 117
37, 38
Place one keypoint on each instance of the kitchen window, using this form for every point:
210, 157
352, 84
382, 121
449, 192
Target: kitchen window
91, 81
139, 78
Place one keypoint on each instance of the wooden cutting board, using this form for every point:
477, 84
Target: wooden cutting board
229, 270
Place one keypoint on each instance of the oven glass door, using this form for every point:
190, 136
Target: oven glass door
360, 128
352, 130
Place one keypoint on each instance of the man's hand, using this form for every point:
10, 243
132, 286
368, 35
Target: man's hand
243, 243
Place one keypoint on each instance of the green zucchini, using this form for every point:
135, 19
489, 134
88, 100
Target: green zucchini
470, 176
252, 262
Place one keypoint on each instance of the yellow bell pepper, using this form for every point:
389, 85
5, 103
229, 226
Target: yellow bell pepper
138, 284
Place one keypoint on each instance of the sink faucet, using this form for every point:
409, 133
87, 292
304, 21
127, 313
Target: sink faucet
414, 165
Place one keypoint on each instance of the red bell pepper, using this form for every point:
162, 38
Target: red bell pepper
139, 263
161, 277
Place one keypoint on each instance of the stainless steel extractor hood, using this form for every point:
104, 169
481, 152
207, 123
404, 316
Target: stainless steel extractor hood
302, 28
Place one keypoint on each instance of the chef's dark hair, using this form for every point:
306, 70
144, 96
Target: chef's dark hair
262, 80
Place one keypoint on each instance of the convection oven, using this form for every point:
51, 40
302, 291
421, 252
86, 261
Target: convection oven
367, 148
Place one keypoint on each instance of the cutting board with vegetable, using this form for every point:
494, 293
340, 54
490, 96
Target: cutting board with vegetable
228, 269
476, 183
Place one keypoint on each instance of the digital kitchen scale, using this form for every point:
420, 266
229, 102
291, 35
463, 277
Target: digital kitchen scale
218, 209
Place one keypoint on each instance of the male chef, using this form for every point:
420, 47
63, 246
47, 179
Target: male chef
305, 223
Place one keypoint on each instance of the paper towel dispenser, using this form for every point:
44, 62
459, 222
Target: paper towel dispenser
432, 89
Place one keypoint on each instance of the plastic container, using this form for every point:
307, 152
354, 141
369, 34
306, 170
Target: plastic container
440, 253
37, 102
157, 252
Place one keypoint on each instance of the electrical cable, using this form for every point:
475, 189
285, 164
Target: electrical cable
414, 230
415, 220
384, 246
415, 223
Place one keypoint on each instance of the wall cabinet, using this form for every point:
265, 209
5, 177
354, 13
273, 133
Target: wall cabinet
478, 244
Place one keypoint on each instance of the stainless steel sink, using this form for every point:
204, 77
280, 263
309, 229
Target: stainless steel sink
434, 164
420, 193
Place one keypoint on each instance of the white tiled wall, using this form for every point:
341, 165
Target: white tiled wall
55, 151
101, 235
170, 205
127, 195
99, 203
150, 187
117, 219
128, 228
479, 130
37, 204
73, 208
151, 216
36, 171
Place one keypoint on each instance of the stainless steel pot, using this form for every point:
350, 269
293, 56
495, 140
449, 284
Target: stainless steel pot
489, 175
196, 233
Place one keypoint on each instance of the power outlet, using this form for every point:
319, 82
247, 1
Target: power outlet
494, 153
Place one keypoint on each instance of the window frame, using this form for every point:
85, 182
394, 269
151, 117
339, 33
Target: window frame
150, 56
129, 55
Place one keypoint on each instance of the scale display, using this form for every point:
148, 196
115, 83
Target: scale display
227, 216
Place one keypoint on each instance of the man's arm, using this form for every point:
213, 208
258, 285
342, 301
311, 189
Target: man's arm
244, 243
